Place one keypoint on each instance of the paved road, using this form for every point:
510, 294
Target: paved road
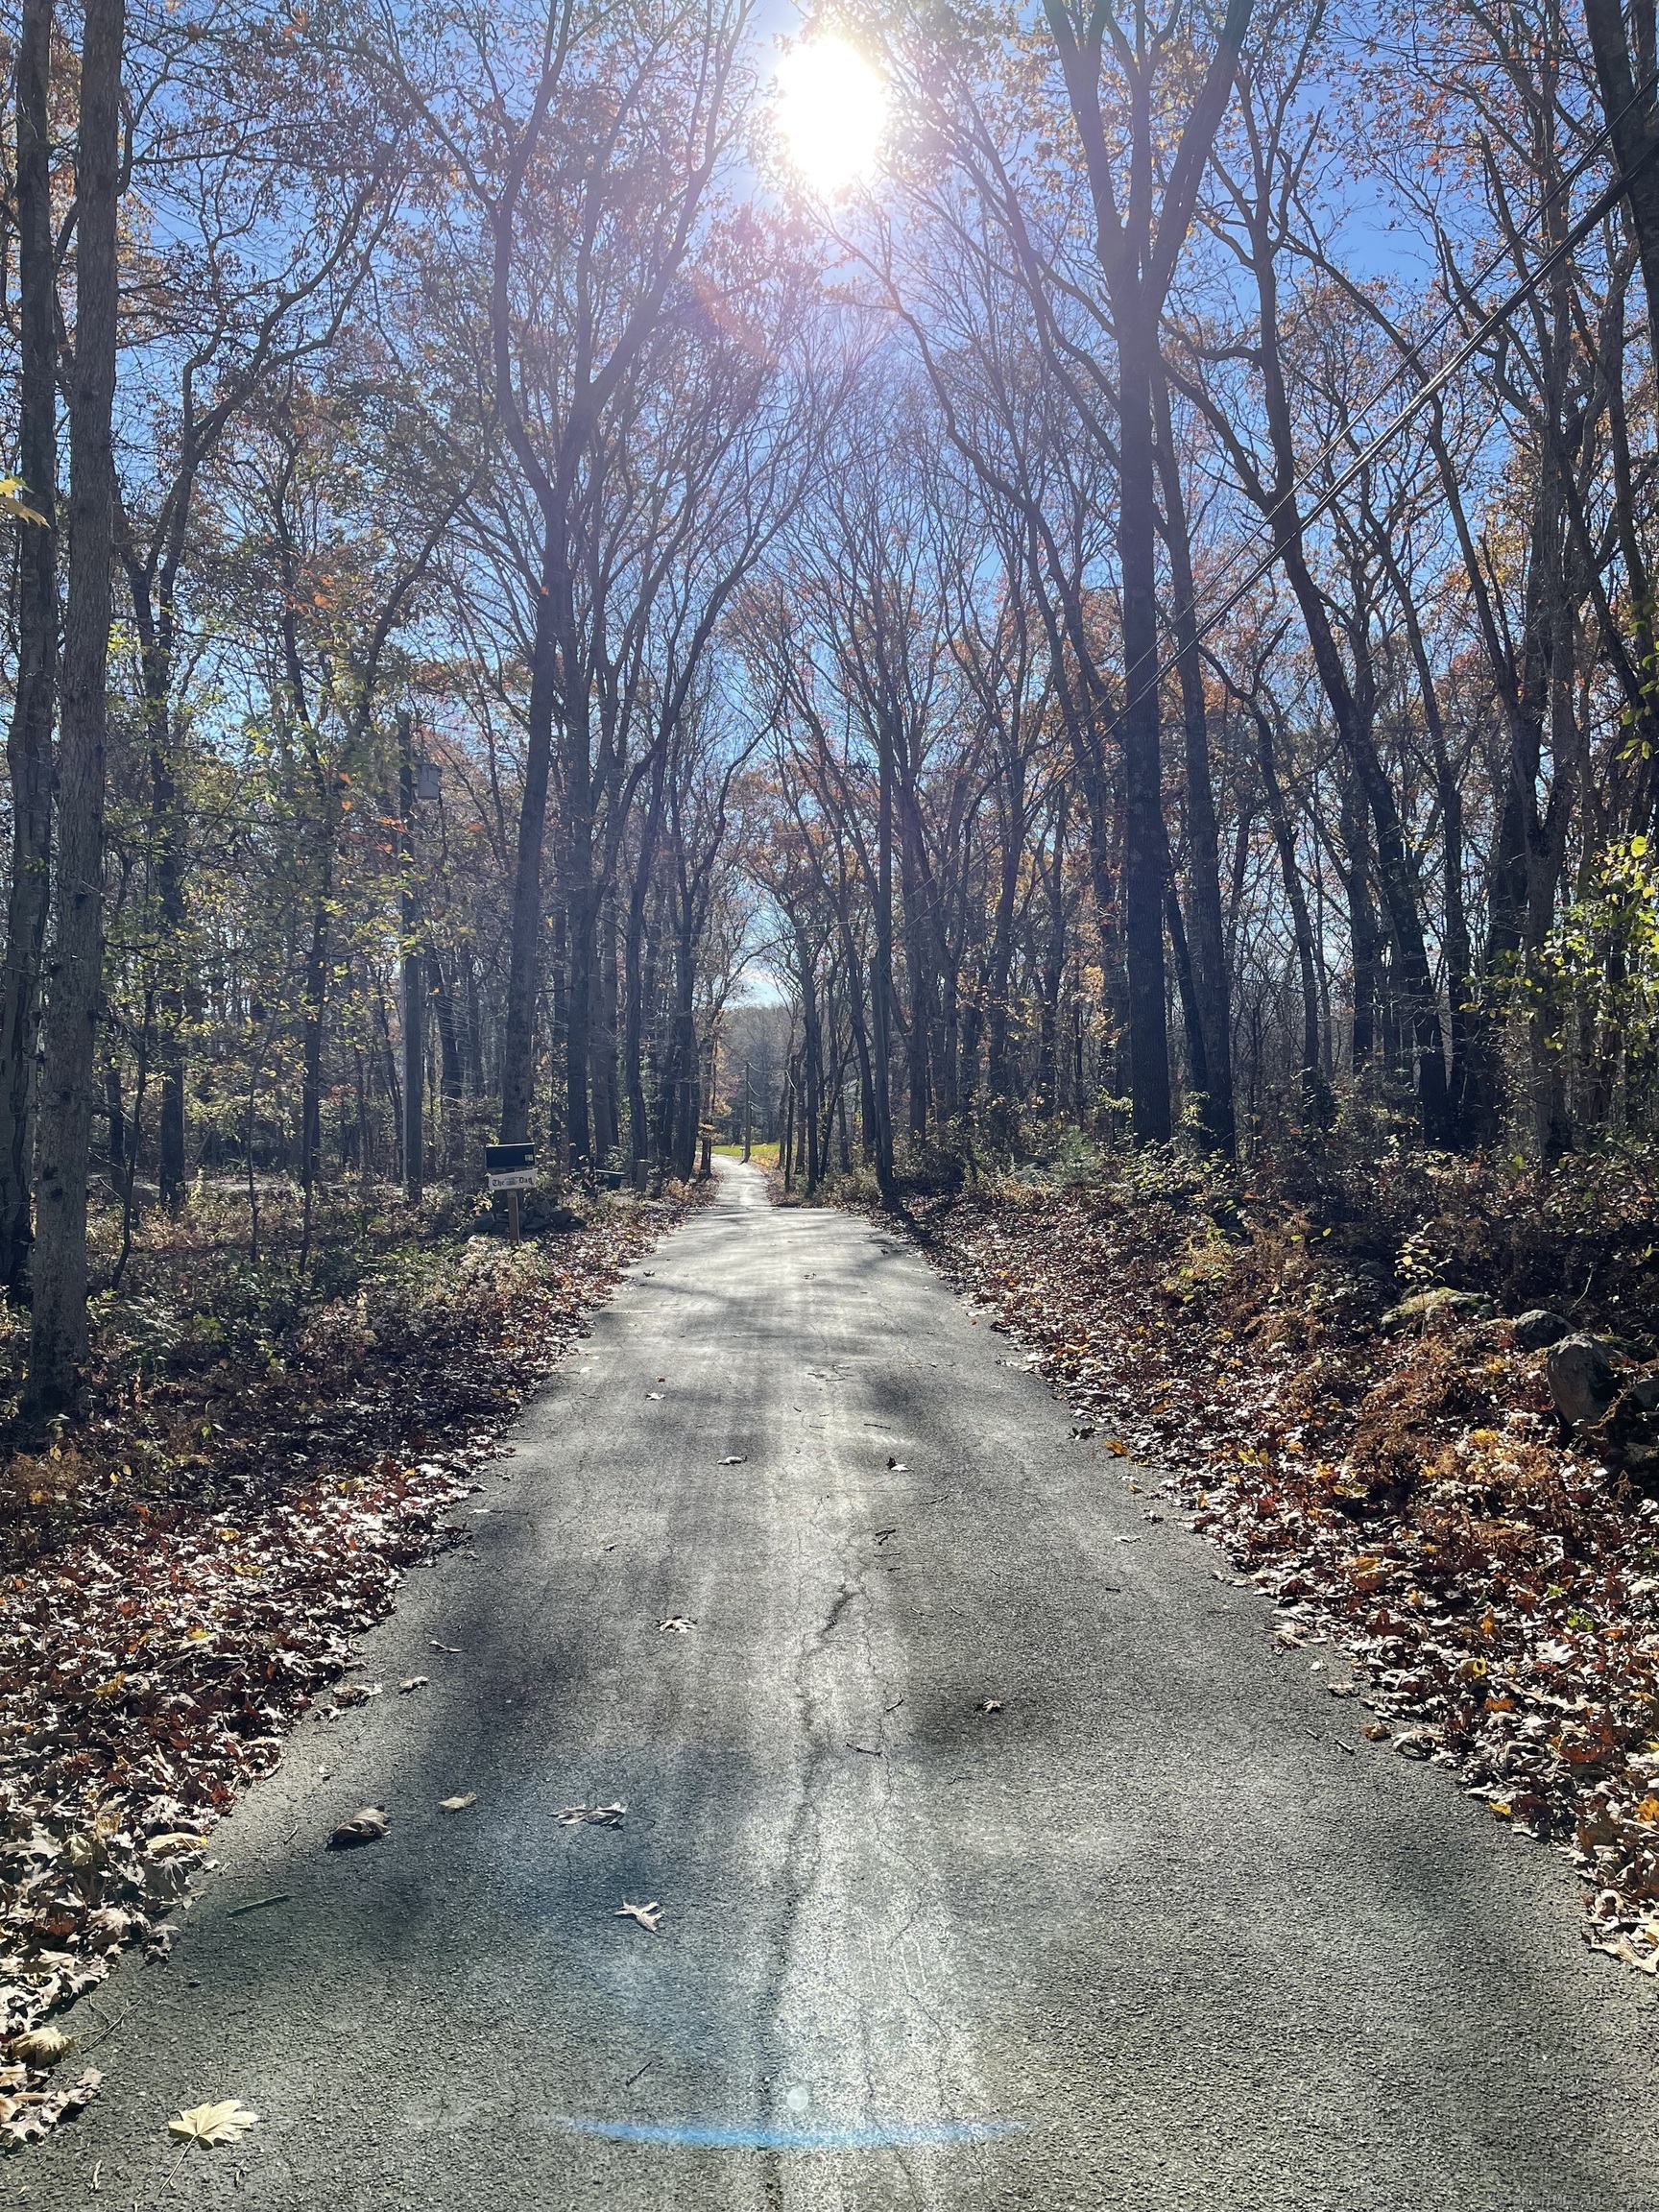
1145, 1938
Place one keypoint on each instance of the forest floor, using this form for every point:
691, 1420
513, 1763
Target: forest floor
268, 1447
1318, 1369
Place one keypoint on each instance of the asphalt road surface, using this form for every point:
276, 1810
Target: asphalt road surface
1161, 1931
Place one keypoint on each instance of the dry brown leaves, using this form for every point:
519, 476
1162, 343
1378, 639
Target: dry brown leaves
152, 1666
1408, 1497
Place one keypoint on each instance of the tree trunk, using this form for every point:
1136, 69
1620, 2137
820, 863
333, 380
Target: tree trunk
634, 984
449, 1064
1206, 933
413, 976
1633, 124
881, 980
58, 1335
29, 748
525, 962
314, 1004
1146, 844
1315, 1098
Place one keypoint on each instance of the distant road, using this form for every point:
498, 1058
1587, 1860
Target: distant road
1160, 1932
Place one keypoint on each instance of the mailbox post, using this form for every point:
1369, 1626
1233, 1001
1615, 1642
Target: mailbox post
512, 1169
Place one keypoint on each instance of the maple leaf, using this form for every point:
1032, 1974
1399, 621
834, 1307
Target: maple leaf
992, 1705
214, 2126
647, 1915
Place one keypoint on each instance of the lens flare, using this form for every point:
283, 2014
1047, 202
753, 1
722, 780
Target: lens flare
831, 115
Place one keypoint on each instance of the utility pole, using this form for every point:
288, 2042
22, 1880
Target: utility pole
414, 968
746, 1115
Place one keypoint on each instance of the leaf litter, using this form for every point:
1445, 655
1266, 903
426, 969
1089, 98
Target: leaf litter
158, 1645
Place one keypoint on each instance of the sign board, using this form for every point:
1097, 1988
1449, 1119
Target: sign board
510, 1167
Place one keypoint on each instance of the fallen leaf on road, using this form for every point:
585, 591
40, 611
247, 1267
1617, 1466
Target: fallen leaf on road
26, 2114
414, 1682
599, 1815
653, 1393
366, 1826
351, 1694
678, 1625
1415, 1743
992, 1705
735, 1460
453, 1650
1377, 1731
1622, 1947
214, 2126
896, 1467
647, 1915
40, 2047
458, 1804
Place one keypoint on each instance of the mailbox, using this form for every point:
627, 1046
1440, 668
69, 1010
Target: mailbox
510, 1167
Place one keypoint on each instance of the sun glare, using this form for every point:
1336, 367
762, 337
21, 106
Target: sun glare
831, 114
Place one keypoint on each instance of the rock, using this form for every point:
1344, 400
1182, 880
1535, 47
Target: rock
1583, 1377
1538, 1327
1424, 1308
1643, 1393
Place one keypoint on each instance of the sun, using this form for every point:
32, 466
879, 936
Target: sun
831, 115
